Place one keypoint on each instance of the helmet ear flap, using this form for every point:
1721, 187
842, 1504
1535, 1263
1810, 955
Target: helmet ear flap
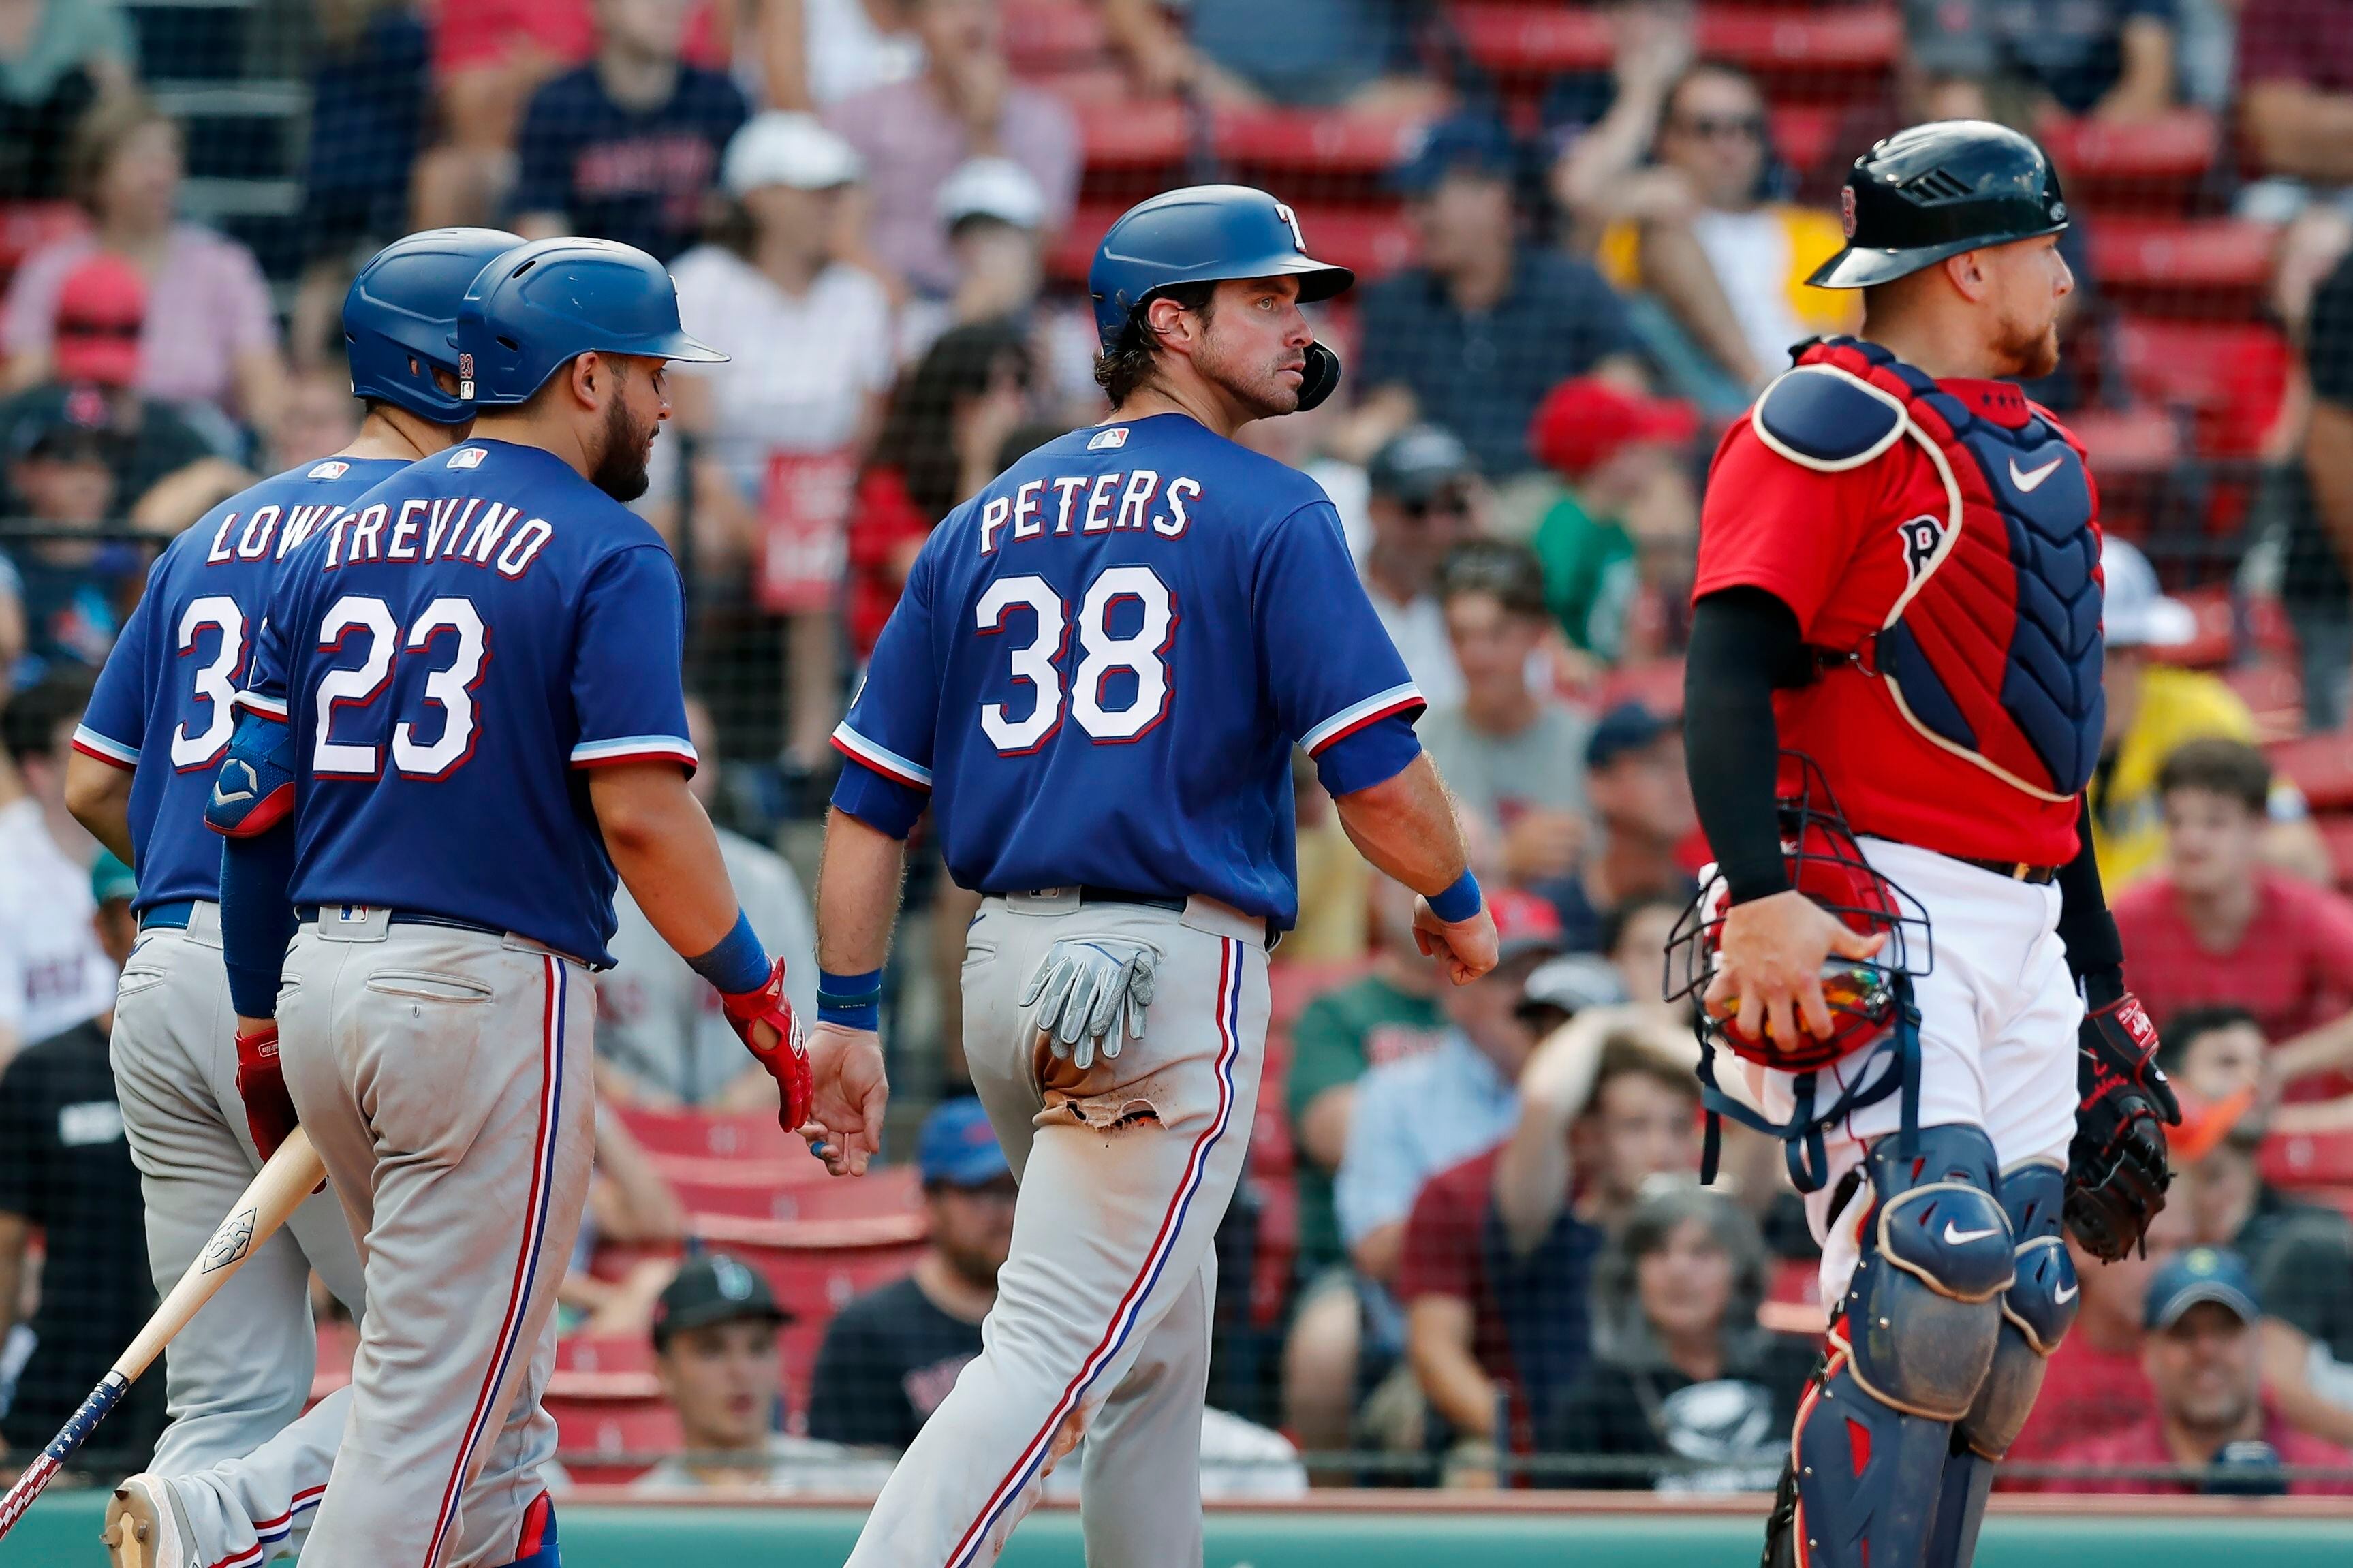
1321, 378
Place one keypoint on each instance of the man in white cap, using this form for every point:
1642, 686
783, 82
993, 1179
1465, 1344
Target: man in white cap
2153, 708
781, 423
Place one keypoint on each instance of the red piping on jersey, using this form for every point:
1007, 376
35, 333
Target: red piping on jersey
101, 756
1375, 717
872, 766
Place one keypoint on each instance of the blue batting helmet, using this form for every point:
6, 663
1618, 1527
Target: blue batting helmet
1205, 234
402, 310
537, 308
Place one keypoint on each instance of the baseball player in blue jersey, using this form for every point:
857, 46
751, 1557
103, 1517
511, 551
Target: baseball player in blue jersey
465, 707
1095, 679
235, 1474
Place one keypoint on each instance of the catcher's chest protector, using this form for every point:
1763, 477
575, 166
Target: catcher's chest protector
1992, 650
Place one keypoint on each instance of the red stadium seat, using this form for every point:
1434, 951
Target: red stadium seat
2125, 441
593, 1436
712, 1135
2213, 268
883, 1206
1802, 133
338, 1342
1326, 142
2217, 637
1043, 36
2322, 767
1657, 684
814, 1286
2148, 165
2272, 689
603, 1354
1129, 135
2309, 1159
2229, 376
1809, 54
1277, 1255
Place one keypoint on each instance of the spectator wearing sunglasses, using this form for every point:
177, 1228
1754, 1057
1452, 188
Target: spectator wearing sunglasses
1718, 267
1423, 497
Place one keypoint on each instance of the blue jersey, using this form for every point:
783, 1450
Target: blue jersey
450, 655
1100, 664
167, 693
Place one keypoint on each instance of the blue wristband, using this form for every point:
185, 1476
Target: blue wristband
738, 964
852, 1001
1458, 902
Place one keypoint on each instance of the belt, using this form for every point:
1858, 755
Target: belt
2013, 870
167, 917
308, 915
1092, 895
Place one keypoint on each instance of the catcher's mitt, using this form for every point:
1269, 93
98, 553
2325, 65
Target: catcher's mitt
2117, 1172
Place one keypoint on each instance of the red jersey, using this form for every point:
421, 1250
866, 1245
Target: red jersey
2143, 1443
1943, 562
2292, 968
2086, 1392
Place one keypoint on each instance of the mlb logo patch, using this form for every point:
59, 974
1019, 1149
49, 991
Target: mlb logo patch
330, 469
468, 458
1104, 440
351, 914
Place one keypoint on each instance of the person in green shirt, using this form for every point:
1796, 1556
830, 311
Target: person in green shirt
1629, 519
1389, 1014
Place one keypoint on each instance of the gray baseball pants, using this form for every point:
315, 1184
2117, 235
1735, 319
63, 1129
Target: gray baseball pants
1101, 1328
444, 1075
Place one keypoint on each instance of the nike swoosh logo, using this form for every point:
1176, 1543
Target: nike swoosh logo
1961, 1237
2028, 483
2069, 1294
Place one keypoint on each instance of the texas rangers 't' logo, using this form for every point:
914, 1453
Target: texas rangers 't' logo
1922, 535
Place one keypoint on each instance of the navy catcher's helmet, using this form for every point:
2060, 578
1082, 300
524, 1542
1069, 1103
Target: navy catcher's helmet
401, 314
1206, 234
536, 309
1938, 190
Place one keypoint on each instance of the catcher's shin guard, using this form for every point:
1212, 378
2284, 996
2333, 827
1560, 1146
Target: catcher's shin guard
1914, 1339
2037, 1311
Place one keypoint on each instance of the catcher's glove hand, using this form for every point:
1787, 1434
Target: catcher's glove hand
2117, 1172
1091, 994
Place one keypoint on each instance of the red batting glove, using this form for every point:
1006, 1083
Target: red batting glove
262, 1084
785, 1055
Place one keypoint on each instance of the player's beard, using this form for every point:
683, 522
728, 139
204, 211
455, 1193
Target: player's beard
1262, 390
2028, 351
621, 465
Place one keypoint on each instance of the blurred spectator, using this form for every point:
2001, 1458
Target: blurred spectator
938, 444
1642, 813
1422, 498
661, 1036
1561, 988
1609, 119
890, 1355
2202, 1360
1498, 1252
1634, 937
2295, 73
1335, 885
53, 972
629, 1205
781, 431
2093, 1385
1511, 752
69, 603
1942, 75
1323, 53
1680, 1368
321, 416
914, 133
811, 53
368, 97
993, 211
56, 58
210, 333
489, 56
714, 1333
66, 1171
166, 474
1722, 264
2316, 586
2112, 59
2217, 926
627, 147
1619, 547
2153, 708
1386, 1017
1484, 326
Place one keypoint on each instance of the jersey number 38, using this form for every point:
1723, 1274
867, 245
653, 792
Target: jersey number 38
1037, 663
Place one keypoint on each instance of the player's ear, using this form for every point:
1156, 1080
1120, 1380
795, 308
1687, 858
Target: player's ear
1967, 273
1165, 318
588, 373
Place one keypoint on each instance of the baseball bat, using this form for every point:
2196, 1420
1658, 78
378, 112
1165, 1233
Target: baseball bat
277, 1190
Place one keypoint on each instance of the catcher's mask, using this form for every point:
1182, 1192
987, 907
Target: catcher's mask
1869, 999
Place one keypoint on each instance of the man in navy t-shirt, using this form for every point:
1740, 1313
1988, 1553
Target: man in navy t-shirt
626, 146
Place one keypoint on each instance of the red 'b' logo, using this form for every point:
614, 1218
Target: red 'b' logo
1846, 209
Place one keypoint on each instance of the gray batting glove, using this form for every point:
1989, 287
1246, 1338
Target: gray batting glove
1091, 994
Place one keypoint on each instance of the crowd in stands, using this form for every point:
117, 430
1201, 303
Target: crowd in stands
1471, 1249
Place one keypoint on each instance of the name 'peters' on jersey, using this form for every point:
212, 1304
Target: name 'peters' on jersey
1101, 663
450, 653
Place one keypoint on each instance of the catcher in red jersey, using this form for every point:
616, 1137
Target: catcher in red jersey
1893, 705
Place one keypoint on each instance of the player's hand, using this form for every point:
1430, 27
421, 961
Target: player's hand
262, 1084
1768, 975
764, 1020
1465, 949
1091, 994
844, 1123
